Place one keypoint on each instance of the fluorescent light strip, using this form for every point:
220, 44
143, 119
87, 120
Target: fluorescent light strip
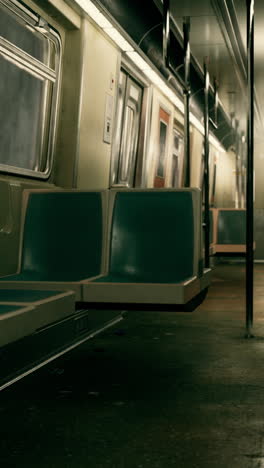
118, 39
138, 61
216, 144
158, 81
103, 22
89, 8
94, 13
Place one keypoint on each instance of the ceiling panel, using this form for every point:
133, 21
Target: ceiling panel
205, 29
206, 40
191, 8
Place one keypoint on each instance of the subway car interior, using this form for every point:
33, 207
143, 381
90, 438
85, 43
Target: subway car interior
131, 233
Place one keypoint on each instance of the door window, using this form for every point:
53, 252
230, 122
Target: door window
177, 159
127, 131
162, 147
164, 118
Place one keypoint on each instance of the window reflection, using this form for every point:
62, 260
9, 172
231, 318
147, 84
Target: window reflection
162, 146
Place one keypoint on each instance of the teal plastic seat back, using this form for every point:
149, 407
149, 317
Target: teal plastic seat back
152, 238
231, 227
6, 309
63, 235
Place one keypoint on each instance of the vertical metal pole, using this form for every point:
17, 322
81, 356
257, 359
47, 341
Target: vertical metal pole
166, 30
206, 170
185, 83
250, 168
216, 101
187, 152
243, 170
213, 188
187, 92
238, 168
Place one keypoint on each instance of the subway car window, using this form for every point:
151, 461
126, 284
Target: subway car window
212, 174
213, 185
14, 30
118, 130
127, 131
162, 145
202, 170
29, 64
177, 159
164, 118
128, 143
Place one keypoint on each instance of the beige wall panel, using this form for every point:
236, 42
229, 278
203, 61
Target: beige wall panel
100, 65
259, 171
197, 141
60, 11
56, 16
259, 199
67, 141
225, 180
179, 117
150, 164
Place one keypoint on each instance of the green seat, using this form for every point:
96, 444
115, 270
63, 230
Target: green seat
152, 237
15, 322
26, 295
154, 243
7, 309
23, 311
62, 240
230, 231
231, 227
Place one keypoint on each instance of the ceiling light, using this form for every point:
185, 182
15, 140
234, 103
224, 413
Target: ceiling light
118, 39
154, 77
94, 13
216, 144
138, 61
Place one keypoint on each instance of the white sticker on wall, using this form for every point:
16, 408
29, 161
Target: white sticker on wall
108, 118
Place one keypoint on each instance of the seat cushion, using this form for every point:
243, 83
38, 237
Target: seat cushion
152, 237
231, 227
63, 235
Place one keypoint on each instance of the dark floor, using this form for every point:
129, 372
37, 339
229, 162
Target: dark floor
162, 390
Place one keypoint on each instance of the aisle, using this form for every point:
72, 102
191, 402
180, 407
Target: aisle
163, 390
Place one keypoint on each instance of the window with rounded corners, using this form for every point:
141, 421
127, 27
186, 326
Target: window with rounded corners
177, 159
30, 56
125, 142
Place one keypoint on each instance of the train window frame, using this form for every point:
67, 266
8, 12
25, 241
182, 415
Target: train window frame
163, 138
46, 71
127, 144
125, 103
177, 130
161, 157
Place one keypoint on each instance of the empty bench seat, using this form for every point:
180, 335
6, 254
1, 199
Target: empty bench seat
22, 312
211, 234
61, 241
155, 248
230, 231
15, 322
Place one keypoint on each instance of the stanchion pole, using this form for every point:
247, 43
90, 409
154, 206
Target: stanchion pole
206, 169
185, 83
250, 169
187, 94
